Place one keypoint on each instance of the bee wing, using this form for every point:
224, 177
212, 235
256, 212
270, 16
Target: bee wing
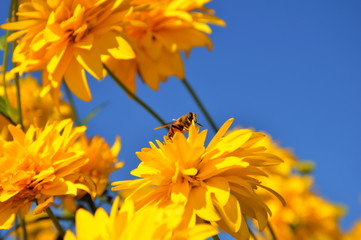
165, 125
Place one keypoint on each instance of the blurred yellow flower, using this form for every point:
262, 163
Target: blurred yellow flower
62, 38
161, 29
306, 215
102, 162
37, 228
217, 183
37, 165
149, 223
36, 109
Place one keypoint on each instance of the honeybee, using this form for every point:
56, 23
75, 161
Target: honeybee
181, 124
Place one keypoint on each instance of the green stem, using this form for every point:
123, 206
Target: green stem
87, 198
216, 237
18, 99
6, 53
200, 104
137, 99
55, 222
271, 231
17, 81
23, 227
69, 96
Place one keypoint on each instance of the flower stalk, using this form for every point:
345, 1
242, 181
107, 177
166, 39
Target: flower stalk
69, 96
23, 226
271, 231
200, 104
56, 223
132, 95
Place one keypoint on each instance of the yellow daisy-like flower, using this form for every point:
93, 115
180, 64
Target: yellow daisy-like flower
161, 30
217, 183
102, 160
64, 37
306, 215
150, 223
37, 165
36, 109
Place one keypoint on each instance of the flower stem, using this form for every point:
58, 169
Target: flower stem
23, 227
69, 96
6, 53
17, 81
200, 104
132, 95
216, 237
271, 231
87, 198
18, 99
55, 222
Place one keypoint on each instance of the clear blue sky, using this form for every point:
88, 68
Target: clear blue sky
290, 68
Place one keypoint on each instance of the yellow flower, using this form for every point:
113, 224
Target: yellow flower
62, 38
36, 109
102, 162
150, 223
161, 29
217, 183
306, 215
37, 165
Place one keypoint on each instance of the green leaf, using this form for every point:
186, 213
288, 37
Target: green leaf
10, 113
93, 113
3, 42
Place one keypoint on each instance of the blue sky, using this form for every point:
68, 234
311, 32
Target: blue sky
289, 68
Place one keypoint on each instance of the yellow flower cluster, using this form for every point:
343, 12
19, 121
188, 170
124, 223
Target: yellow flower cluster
239, 181
306, 215
37, 165
161, 29
37, 109
64, 39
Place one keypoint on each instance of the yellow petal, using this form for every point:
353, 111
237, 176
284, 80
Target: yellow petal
43, 204
180, 191
123, 50
69, 235
91, 61
85, 221
76, 80
220, 188
200, 201
201, 231
7, 215
220, 133
19, 25
231, 213
62, 188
